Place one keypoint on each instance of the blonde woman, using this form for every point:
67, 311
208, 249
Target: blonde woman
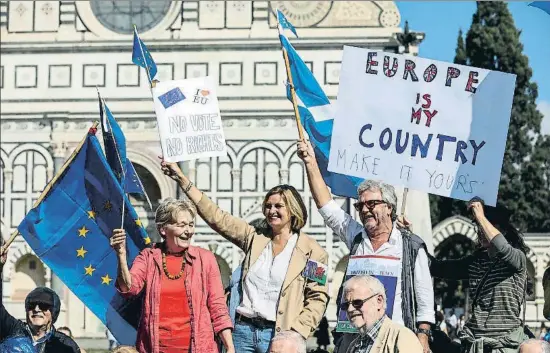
184, 304
284, 271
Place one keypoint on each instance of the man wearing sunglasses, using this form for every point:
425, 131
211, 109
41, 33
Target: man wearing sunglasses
42, 307
365, 304
378, 234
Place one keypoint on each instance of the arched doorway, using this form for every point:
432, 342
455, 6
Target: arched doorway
450, 293
29, 273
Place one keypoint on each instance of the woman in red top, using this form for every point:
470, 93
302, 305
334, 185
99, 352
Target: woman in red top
184, 304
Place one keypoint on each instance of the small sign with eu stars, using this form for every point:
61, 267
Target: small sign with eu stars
172, 97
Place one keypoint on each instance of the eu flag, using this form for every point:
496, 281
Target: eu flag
316, 115
172, 97
70, 230
115, 150
543, 5
142, 57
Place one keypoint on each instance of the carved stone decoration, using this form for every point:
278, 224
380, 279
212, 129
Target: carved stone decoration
303, 13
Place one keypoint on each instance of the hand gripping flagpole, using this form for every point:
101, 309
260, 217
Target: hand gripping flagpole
48, 187
293, 95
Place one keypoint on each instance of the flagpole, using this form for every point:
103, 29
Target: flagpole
51, 183
404, 201
293, 95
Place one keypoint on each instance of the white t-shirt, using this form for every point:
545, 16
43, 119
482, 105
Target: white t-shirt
264, 280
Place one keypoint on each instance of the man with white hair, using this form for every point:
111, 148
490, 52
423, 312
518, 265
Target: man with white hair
365, 305
534, 346
378, 235
288, 342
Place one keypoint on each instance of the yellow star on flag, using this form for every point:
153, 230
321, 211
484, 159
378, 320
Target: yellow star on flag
89, 270
138, 223
91, 214
81, 252
82, 231
147, 240
108, 205
106, 280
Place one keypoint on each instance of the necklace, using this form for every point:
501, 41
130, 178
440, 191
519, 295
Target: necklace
165, 268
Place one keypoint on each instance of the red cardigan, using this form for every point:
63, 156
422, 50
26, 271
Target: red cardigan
204, 287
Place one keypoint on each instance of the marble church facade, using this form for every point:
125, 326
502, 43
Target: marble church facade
55, 53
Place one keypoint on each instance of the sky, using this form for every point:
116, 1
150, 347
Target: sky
440, 21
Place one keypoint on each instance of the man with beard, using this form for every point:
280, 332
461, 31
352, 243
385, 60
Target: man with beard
42, 307
378, 235
365, 305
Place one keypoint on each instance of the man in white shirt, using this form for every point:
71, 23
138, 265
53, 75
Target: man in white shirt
378, 235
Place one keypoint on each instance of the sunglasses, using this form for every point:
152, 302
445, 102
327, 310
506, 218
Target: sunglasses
370, 204
42, 306
356, 303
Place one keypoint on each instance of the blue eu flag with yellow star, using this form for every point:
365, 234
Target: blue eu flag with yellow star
142, 57
70, 229
114, 142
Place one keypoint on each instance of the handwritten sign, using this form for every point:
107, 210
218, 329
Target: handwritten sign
189, 120
428, 125
385, 268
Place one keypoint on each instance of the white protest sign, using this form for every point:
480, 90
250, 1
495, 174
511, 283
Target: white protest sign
428, 125
189, 120
385, 268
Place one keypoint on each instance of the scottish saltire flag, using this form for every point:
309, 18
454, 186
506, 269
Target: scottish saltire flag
142, 57
70, 229
115, 150
316, 115
284, 23
172, 97
543, 5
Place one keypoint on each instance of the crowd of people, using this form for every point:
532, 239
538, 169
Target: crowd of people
274, 305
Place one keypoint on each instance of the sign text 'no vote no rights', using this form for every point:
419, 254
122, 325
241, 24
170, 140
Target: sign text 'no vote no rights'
189, 120
424, 124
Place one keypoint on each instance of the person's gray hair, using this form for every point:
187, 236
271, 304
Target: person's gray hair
168, 210
366, 281
387, 191
299, 341
544, 346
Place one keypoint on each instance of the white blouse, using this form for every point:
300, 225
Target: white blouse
264, 280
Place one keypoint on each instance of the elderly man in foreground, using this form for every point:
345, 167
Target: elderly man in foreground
288, 342
365, 304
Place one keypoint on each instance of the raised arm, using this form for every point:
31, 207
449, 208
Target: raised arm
232, 228
319, 189
514, 258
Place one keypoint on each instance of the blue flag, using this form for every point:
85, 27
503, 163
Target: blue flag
70, 230
543, 5
115, 150
316, 115
284, 23
142, 57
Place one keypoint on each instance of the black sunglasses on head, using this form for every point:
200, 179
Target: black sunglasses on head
370, 204
42, 306
356, 303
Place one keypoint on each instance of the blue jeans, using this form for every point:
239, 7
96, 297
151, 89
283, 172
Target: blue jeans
251, 339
